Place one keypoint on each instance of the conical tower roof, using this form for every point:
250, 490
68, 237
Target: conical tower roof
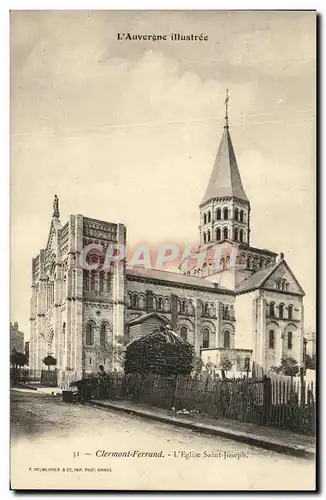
225, 180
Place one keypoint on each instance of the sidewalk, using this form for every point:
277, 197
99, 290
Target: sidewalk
279, 440
54, 391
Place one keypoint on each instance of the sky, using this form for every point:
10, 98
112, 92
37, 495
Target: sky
127, 131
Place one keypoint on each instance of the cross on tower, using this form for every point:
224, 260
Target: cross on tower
227, 108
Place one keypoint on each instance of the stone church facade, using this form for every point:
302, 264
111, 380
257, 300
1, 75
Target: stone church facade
249, 305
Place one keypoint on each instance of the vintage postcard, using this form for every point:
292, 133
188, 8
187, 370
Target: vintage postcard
163, 316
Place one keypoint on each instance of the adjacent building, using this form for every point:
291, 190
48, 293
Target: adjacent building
16, 338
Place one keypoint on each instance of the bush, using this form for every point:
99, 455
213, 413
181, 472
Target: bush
162, 352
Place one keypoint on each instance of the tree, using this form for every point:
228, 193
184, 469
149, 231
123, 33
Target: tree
107, 352
310, 362
225, 365
197, 366
18, 359
209, 367
49, 360
289, 366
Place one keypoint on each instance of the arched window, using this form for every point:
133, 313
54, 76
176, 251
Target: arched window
166, 304
272, 309
208, 235
154, 303
205, 218
236, 234
290, 312
218, 234
236, 214
249, 262
160, 304
204, 236
206, 309
223, 264
261, 263
93, 280
241, 235
103, 334
86, 280
290, 340
108, 282
205, 338
241, 216
225, 213
208, 216
184, 306
226, 339
102, 281
129, 300
184, 332
271, 339
225, 233
64, 334
218, 214
135, 301
281, 310
89, 334
190, 308
226, 312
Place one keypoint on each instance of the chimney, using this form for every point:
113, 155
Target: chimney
16, 325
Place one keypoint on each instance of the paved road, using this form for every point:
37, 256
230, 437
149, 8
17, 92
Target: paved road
47, 433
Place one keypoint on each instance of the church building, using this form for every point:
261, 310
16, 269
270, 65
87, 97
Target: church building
246, 304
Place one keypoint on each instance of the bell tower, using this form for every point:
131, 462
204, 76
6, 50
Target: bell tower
225, 208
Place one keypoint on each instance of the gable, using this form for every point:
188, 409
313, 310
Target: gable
282, 279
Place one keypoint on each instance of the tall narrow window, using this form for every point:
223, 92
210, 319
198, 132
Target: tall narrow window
226, 312
218, 234
102, 281
241, 235
108, 282
184, 332
86, 281
225, 233
205, 338
236, 234
89, 334
135, 301
290, 340
281, 310
209, 216
272, 309
290, 311
184, 306
204, 236
271, 339
93, 275
160, 304
64, 334
225, 213
208, 235
206, 309
236, 214
102, 335
205, 218
241, 216
218, 214
226, 339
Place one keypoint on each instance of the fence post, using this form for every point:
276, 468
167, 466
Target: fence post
175, 392
267, 397
303, 387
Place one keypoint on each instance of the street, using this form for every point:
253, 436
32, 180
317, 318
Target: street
88, 447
